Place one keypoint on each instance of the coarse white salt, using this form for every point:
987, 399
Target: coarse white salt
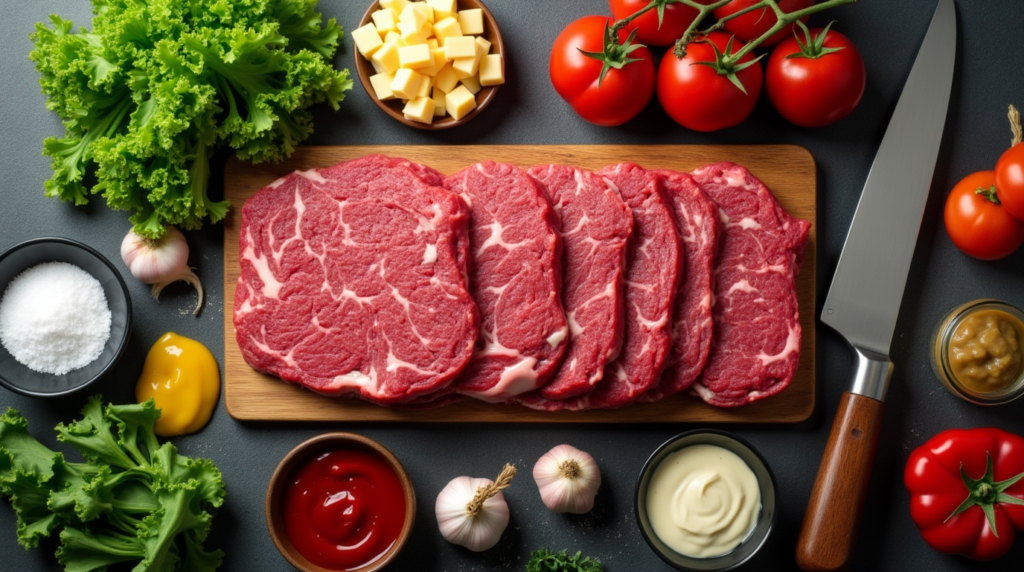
54, 318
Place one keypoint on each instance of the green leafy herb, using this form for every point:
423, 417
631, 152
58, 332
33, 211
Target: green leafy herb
545, 560
133, 500
156, 86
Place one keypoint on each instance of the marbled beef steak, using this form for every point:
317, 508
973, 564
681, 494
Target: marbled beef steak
515, 278
353, 281
756, 347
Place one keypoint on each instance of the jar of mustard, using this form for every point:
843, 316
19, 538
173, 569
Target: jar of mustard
978, 352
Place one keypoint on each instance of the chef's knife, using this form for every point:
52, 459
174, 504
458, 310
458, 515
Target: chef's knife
867, 289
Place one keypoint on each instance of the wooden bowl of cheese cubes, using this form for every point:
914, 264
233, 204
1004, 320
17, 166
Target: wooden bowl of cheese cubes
431, 64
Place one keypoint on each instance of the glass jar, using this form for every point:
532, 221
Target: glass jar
945, 369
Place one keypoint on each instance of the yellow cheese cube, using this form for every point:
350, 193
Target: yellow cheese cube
367, 40
420, 109
447, 28
432, 42
459, 102
443, 8
413, 16
396, 6
411, 35
472, 83
392, 36
439, 103
384, 20
386, 58
425, 85
461, 47
377, 68
426, 9
492, 70
382, 85
413, 57
472, 21
466, 67
446, 79
483, 46
439, 62
406, 83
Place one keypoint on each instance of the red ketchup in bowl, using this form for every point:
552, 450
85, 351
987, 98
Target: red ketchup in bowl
344, 508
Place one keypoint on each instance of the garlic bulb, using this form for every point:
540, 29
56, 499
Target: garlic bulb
473, 512
160, 262
568, 479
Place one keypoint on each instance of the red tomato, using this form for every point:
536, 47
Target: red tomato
978, 226
623, 93
677, 18
1010, 180
816, 91
697, 97
753, 25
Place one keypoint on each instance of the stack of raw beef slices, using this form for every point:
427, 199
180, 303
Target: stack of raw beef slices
554, 288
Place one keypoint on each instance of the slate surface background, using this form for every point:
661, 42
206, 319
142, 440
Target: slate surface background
990, 57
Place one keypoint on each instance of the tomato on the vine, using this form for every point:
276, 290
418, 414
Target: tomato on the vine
816, 82
977, 223
1010, 180
754, 24
696, 96
627, 84
675, 20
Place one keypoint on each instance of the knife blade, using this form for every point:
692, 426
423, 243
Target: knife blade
864, 300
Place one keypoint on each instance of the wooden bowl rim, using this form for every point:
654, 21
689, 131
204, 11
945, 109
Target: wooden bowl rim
484, 97
300, 453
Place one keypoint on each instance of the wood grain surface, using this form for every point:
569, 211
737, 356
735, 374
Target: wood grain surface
788, 170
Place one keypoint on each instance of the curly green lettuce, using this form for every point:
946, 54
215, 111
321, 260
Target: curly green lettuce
133, 500
157, 86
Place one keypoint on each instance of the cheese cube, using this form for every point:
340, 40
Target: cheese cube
382, 86
447, 28
367, 40
492, 70
472, 21
459, 102
439, 62
386, 58
472, 83
443, 8
411, 34
425, 86
439, 103
413, 15
420, 109
483, 45
377, 68
466, 67
406, 83
426, 9
392, 36
384, 20
461, 47
395, 6
432, 42
413, 57
446, 79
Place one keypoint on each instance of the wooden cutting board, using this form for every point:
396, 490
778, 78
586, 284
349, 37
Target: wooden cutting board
788, 170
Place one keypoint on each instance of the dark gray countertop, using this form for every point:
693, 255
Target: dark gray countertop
527, 111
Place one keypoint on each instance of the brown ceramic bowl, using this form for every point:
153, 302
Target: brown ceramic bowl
394, 107
301, 453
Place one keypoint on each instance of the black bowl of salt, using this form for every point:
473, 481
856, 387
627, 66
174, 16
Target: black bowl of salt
65, 317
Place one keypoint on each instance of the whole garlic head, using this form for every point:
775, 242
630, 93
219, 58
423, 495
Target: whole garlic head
568, 479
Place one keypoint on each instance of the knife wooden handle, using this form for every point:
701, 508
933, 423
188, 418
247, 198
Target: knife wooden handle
837, 501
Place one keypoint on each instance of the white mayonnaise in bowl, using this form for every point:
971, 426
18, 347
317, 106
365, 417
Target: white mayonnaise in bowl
705, 501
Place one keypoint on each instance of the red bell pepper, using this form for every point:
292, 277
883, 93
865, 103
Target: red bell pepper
967, 491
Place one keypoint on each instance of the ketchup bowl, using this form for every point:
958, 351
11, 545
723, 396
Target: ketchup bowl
340, 501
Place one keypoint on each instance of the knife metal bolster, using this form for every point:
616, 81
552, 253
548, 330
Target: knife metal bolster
872, 375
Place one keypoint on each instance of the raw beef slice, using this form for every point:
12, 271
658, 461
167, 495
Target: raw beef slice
515, 279
353, 281
653, 270
697, 223
595, 229
756, 347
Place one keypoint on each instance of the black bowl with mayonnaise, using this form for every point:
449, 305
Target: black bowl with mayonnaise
705, 501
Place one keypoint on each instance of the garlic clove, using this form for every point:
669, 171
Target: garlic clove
568, 479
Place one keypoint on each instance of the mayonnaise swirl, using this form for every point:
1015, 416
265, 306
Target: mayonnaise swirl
703, 501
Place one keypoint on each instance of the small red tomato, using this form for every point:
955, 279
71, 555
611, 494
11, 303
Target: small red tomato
754, 24
816, 83
1010, 180
576, 76
977, 223
677, 18
697, 96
